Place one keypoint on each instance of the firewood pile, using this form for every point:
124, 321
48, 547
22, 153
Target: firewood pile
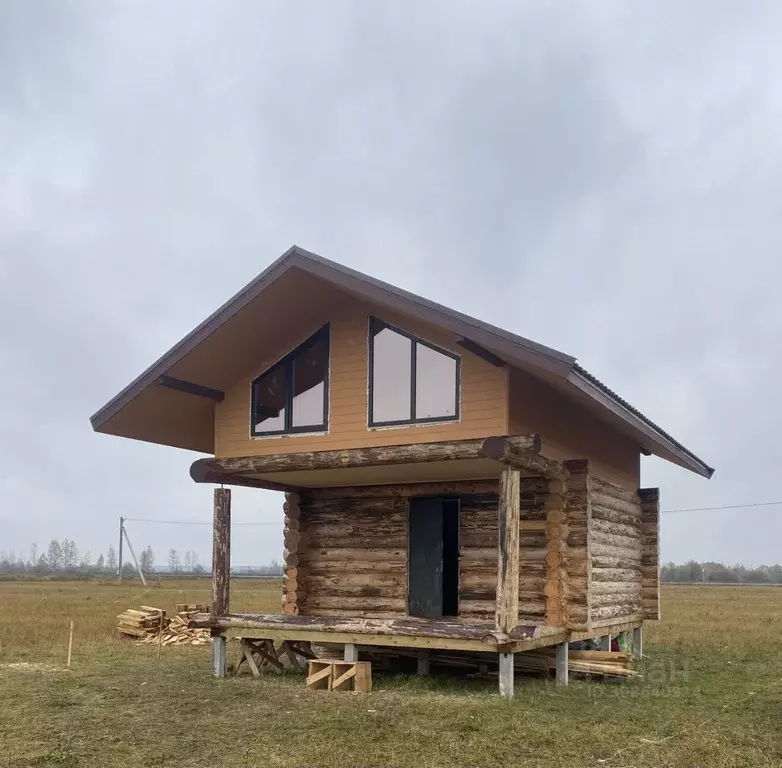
141, 623
146, 625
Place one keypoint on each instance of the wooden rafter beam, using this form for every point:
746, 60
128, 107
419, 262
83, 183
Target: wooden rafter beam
203, 471
191, 389
482, 352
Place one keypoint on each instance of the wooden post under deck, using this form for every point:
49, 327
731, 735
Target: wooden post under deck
221, 570
638, 643
562, 663
507, 607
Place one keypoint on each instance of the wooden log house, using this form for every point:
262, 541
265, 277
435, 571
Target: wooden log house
447, 484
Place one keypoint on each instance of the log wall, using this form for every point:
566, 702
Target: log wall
616, 554
650, 553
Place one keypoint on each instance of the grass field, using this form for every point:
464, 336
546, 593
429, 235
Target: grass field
711, 695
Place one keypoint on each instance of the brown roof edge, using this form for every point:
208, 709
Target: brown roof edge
595, 388
350, 279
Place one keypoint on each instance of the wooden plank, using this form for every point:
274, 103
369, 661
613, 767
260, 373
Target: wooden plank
319, 675
247, 649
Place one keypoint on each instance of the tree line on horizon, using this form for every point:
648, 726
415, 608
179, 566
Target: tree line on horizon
62, 556
693, 572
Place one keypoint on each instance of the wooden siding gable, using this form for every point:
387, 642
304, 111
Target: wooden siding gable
483, 392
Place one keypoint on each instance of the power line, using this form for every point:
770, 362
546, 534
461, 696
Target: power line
727, 506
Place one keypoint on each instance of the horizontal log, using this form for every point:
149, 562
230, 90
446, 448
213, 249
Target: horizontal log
616, 587
601, 528
616, 574
377, 579
619, 612
408, 453
614, 540
623, 563
355, 566
521, 454
358, 543
616, 621
454, 487
317, 593
357, 604
403, 627
612, 516
318, 555
600, 550
611, 489
623, 600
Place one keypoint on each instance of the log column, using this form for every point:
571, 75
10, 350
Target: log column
556, 555
221, 572
292, 583
507, 609
578, 508
650, 551
221, 551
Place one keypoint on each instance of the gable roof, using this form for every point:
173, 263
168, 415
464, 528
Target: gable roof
558, 368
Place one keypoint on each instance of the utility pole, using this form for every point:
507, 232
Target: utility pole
121, 529
135, 559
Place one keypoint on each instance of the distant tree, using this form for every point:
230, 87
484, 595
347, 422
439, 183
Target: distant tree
86, 560
198, 568
34, 554
147, 559
111, 560
54, 555
69, 554
188, 561
173, 560
100, 564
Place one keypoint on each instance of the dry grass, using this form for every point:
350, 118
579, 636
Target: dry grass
118, 706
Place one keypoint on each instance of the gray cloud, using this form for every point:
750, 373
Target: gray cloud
603, 178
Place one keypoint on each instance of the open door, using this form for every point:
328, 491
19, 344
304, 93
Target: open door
433, 557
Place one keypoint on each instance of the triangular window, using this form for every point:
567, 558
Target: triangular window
292, 396
410, 380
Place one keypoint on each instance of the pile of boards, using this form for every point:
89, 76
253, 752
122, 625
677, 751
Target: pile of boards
146, 624
602, 663
141, 623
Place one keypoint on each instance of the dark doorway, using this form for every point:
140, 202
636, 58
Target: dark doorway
433, 558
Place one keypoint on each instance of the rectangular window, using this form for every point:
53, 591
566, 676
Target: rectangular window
410, 380
292, 396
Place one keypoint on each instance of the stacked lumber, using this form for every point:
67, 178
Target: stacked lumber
177, 632
141, 623
603, 663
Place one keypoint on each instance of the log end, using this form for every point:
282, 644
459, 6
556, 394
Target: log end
525, 632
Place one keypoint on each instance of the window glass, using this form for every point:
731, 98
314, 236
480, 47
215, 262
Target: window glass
435, 384
269, 399
391, 372
309, 385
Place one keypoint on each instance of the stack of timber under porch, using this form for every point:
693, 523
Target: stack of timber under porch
603, 663
140, 623
616, 554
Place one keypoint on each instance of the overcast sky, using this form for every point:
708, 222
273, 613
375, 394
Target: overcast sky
602, 177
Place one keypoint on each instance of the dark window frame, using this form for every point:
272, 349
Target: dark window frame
375, 326
321, 334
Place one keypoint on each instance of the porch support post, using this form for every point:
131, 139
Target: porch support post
219, 656
221, 566
423, 661
605, 643
638, 643
562, 663
351, 652
221, 551
506, 675
507, 608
